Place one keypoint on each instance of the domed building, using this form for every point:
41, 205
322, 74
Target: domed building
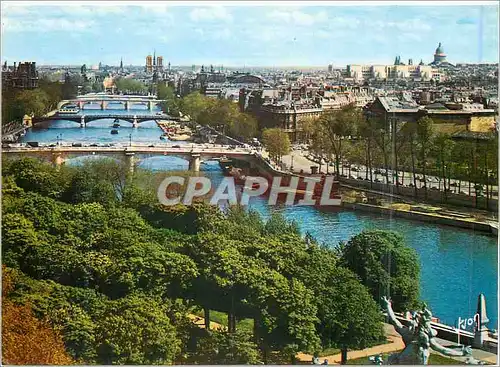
440, 57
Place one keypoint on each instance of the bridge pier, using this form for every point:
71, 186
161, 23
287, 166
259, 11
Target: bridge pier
104, 105
127, 105
82, 121
80, 105
135, 123
194, 163
150, 105
130, 158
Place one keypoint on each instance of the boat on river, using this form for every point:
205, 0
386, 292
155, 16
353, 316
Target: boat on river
114, 132
69, 110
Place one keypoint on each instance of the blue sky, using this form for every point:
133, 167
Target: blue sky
275, 35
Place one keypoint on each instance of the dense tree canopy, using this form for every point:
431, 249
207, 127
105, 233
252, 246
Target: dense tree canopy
117, 274
385, 265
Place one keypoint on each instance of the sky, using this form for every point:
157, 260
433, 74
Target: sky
283, 34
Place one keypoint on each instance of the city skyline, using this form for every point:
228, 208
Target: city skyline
251, 36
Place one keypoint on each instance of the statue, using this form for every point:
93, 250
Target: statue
419, 338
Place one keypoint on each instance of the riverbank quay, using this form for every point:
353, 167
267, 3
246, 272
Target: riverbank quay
401, 206
434, 217
433, 195
297, 162
173, 130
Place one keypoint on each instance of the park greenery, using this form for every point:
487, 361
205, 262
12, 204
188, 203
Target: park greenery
130, 86
220, 114
115, 276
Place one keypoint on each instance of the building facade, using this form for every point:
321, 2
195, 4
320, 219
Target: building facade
21, 76
149, 64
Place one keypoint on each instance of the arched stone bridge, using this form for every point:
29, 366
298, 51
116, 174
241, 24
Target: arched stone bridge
105, 100
131, 155
83, 119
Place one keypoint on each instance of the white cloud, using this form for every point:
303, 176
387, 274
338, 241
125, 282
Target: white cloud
298, 17
410, 25
212, 13
46, 25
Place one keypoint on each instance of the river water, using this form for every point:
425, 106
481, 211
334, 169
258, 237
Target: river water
456, 265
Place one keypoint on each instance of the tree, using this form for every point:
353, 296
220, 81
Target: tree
442, 151
320, 144
349, 316
194, 105
171, 103
385, 265
424, 138
276, 142
69, 89
135, 330
222, 347
340, 125
25, 339
244, 126
381, 131
33, 102
219, 113
408, 133
130, 86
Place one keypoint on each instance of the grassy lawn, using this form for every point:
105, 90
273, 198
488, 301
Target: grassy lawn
221, 318
434, 359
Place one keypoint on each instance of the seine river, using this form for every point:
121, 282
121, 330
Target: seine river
456, 265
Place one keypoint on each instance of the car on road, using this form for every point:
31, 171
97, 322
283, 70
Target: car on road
176, 146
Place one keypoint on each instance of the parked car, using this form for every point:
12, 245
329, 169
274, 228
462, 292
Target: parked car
176, 146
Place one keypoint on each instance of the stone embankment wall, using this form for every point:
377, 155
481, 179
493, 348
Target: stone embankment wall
433, 195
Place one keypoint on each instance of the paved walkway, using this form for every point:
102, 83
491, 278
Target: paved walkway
395, 344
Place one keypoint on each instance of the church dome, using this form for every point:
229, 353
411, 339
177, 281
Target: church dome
439, 50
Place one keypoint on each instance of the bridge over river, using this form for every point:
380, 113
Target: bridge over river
105, 99
83, 119
132, 154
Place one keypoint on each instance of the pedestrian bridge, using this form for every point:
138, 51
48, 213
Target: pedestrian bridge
83, 119
132, 155
106, 99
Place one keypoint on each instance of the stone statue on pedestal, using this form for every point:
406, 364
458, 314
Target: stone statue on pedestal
419, 338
